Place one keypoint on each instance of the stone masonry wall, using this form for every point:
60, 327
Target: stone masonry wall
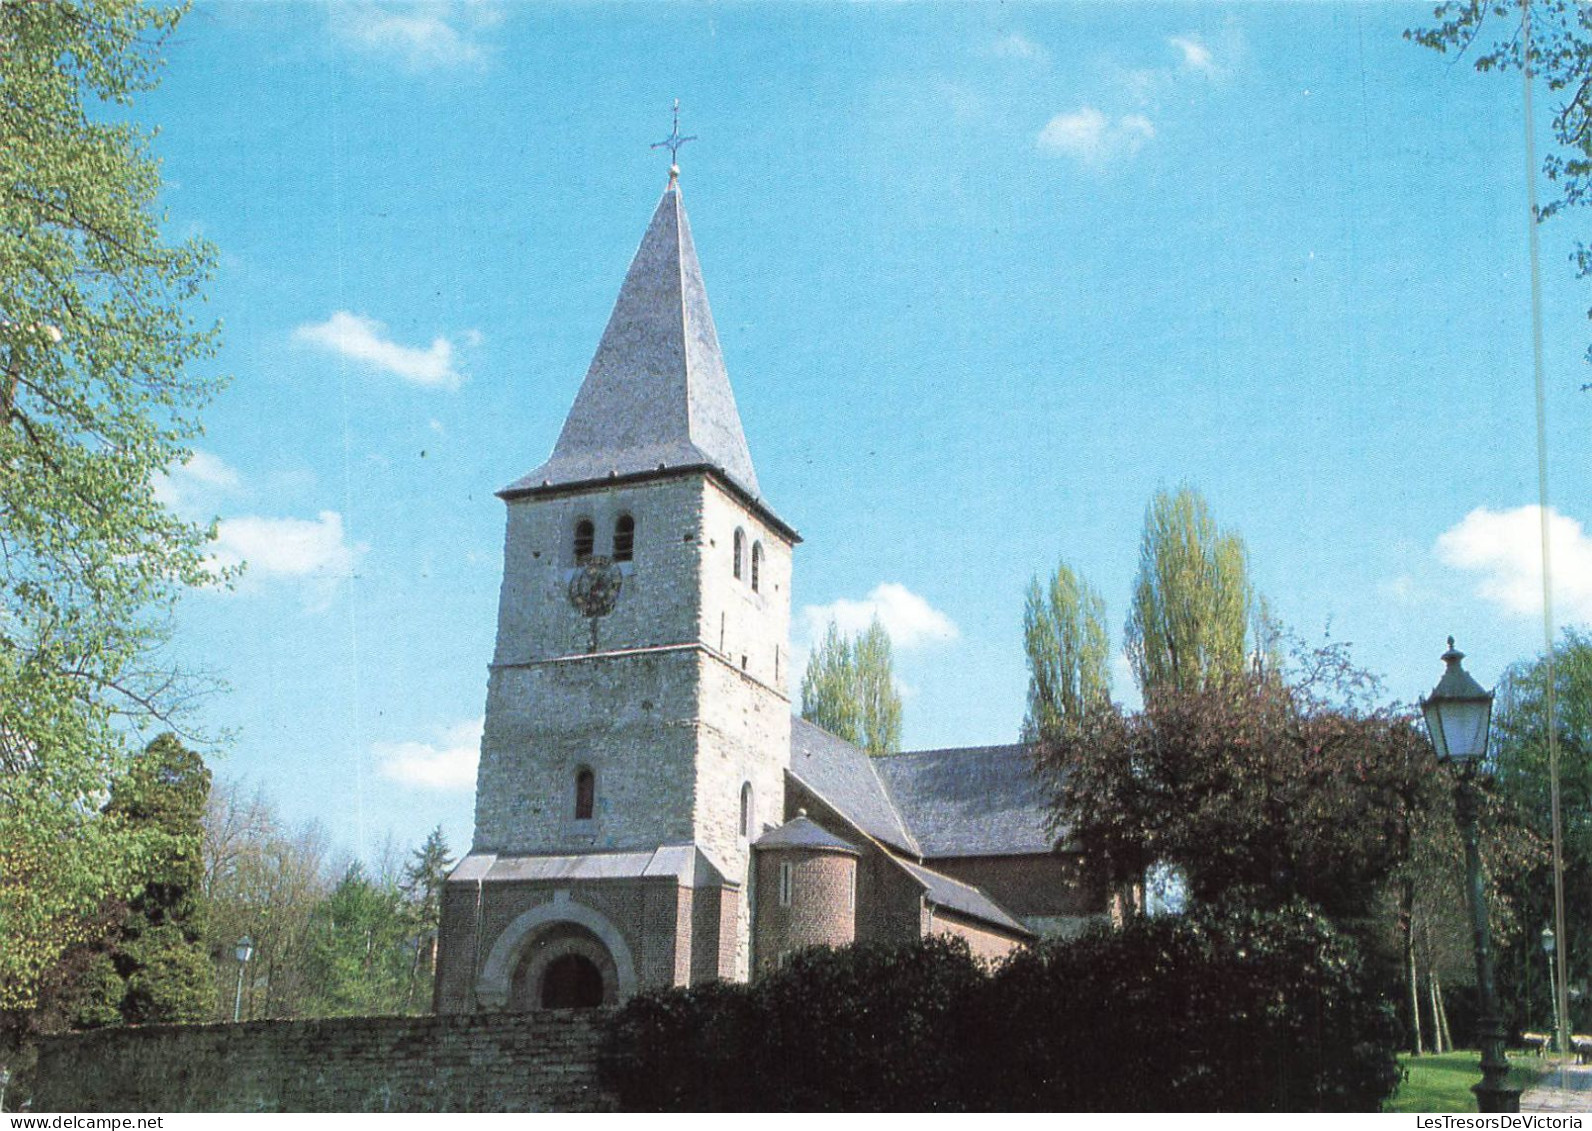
494, 1062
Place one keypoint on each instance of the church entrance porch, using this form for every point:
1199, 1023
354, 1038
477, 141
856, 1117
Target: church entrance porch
564, 966
572, 982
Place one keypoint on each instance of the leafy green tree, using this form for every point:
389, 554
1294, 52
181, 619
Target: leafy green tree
360, 949
265, 880
424, 877
1520, 745
97, 398
154, 965
1258, 789
829, 689
1192, 598
849, 689
1064, 634
1492, 33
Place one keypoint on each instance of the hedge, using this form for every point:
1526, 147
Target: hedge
1214, 1011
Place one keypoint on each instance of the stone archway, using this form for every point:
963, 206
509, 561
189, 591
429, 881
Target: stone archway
572, 981
563, 966
511, 976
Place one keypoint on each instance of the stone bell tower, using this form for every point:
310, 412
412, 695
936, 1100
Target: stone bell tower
637, 723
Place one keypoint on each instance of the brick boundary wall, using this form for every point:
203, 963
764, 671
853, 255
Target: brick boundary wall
545, 1061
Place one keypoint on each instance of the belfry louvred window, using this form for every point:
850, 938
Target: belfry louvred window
757, 563
585, 793
624, 538
740, 552
585, 539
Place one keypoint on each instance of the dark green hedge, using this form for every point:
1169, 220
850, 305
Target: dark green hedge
1242, 1011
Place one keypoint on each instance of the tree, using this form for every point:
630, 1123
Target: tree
158, 952
424, 877
1561, 56
1064, 634
1192, 599
358, 957
849, 689
97, 397
1257, 788
265, 880
1520, 744
874, 662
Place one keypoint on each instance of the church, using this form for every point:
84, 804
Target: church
648, 812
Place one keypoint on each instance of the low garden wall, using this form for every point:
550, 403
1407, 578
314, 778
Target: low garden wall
484, 1062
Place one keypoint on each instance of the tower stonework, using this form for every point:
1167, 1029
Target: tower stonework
637, 728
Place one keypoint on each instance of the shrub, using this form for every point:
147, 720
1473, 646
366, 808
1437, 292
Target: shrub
1217, 1011
1237, 1010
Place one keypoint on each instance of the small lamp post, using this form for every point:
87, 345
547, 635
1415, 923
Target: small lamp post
5, 1081
1458, 715
1549, 943
244, 951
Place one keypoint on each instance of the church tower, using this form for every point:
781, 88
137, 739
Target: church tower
637, 724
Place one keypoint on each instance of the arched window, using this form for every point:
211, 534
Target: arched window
746, 810
585, 537
624, 538
740, 549
757, 563
585, 793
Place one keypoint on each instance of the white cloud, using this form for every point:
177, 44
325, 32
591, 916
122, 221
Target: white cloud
287, 548
1196, 55
448, 763
908, 618
420, 36
195, 485
1089, 136
1019, 46
362, 339
1505, 548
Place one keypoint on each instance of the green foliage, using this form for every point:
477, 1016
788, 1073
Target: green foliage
359, 956
424, 877
1254, 786
96, 399
864, 1028
1192, 599
157, 952
1521, 755
849, 689
1069, 653
1216, 1011
1561, 55
1243, 1011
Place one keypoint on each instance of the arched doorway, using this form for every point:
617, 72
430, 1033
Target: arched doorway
564, 966
572, 981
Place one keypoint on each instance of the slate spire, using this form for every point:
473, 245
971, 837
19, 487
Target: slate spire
657, 395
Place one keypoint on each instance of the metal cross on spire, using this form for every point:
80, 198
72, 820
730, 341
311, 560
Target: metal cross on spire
673, 143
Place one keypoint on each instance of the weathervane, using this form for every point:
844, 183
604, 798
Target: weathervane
673, 143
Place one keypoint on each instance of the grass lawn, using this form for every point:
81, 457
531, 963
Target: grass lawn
1439, 1084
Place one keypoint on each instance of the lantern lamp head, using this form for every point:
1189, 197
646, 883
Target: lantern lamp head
1458, 713
245, 949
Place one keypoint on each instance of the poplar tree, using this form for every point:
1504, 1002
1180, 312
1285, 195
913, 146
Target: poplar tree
1192, 599
849, 689
97, 398
1064, 634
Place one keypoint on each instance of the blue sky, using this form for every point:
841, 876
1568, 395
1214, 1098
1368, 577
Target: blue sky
985, 276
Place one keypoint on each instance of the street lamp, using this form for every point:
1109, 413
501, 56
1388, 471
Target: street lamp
243, 951
5, 1080
1458, 715
1548, 946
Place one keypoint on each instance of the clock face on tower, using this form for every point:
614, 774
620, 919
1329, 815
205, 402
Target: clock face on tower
594, 590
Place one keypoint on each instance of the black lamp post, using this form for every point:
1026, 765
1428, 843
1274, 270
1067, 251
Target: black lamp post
243, 952
1458, 715
1549, 945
